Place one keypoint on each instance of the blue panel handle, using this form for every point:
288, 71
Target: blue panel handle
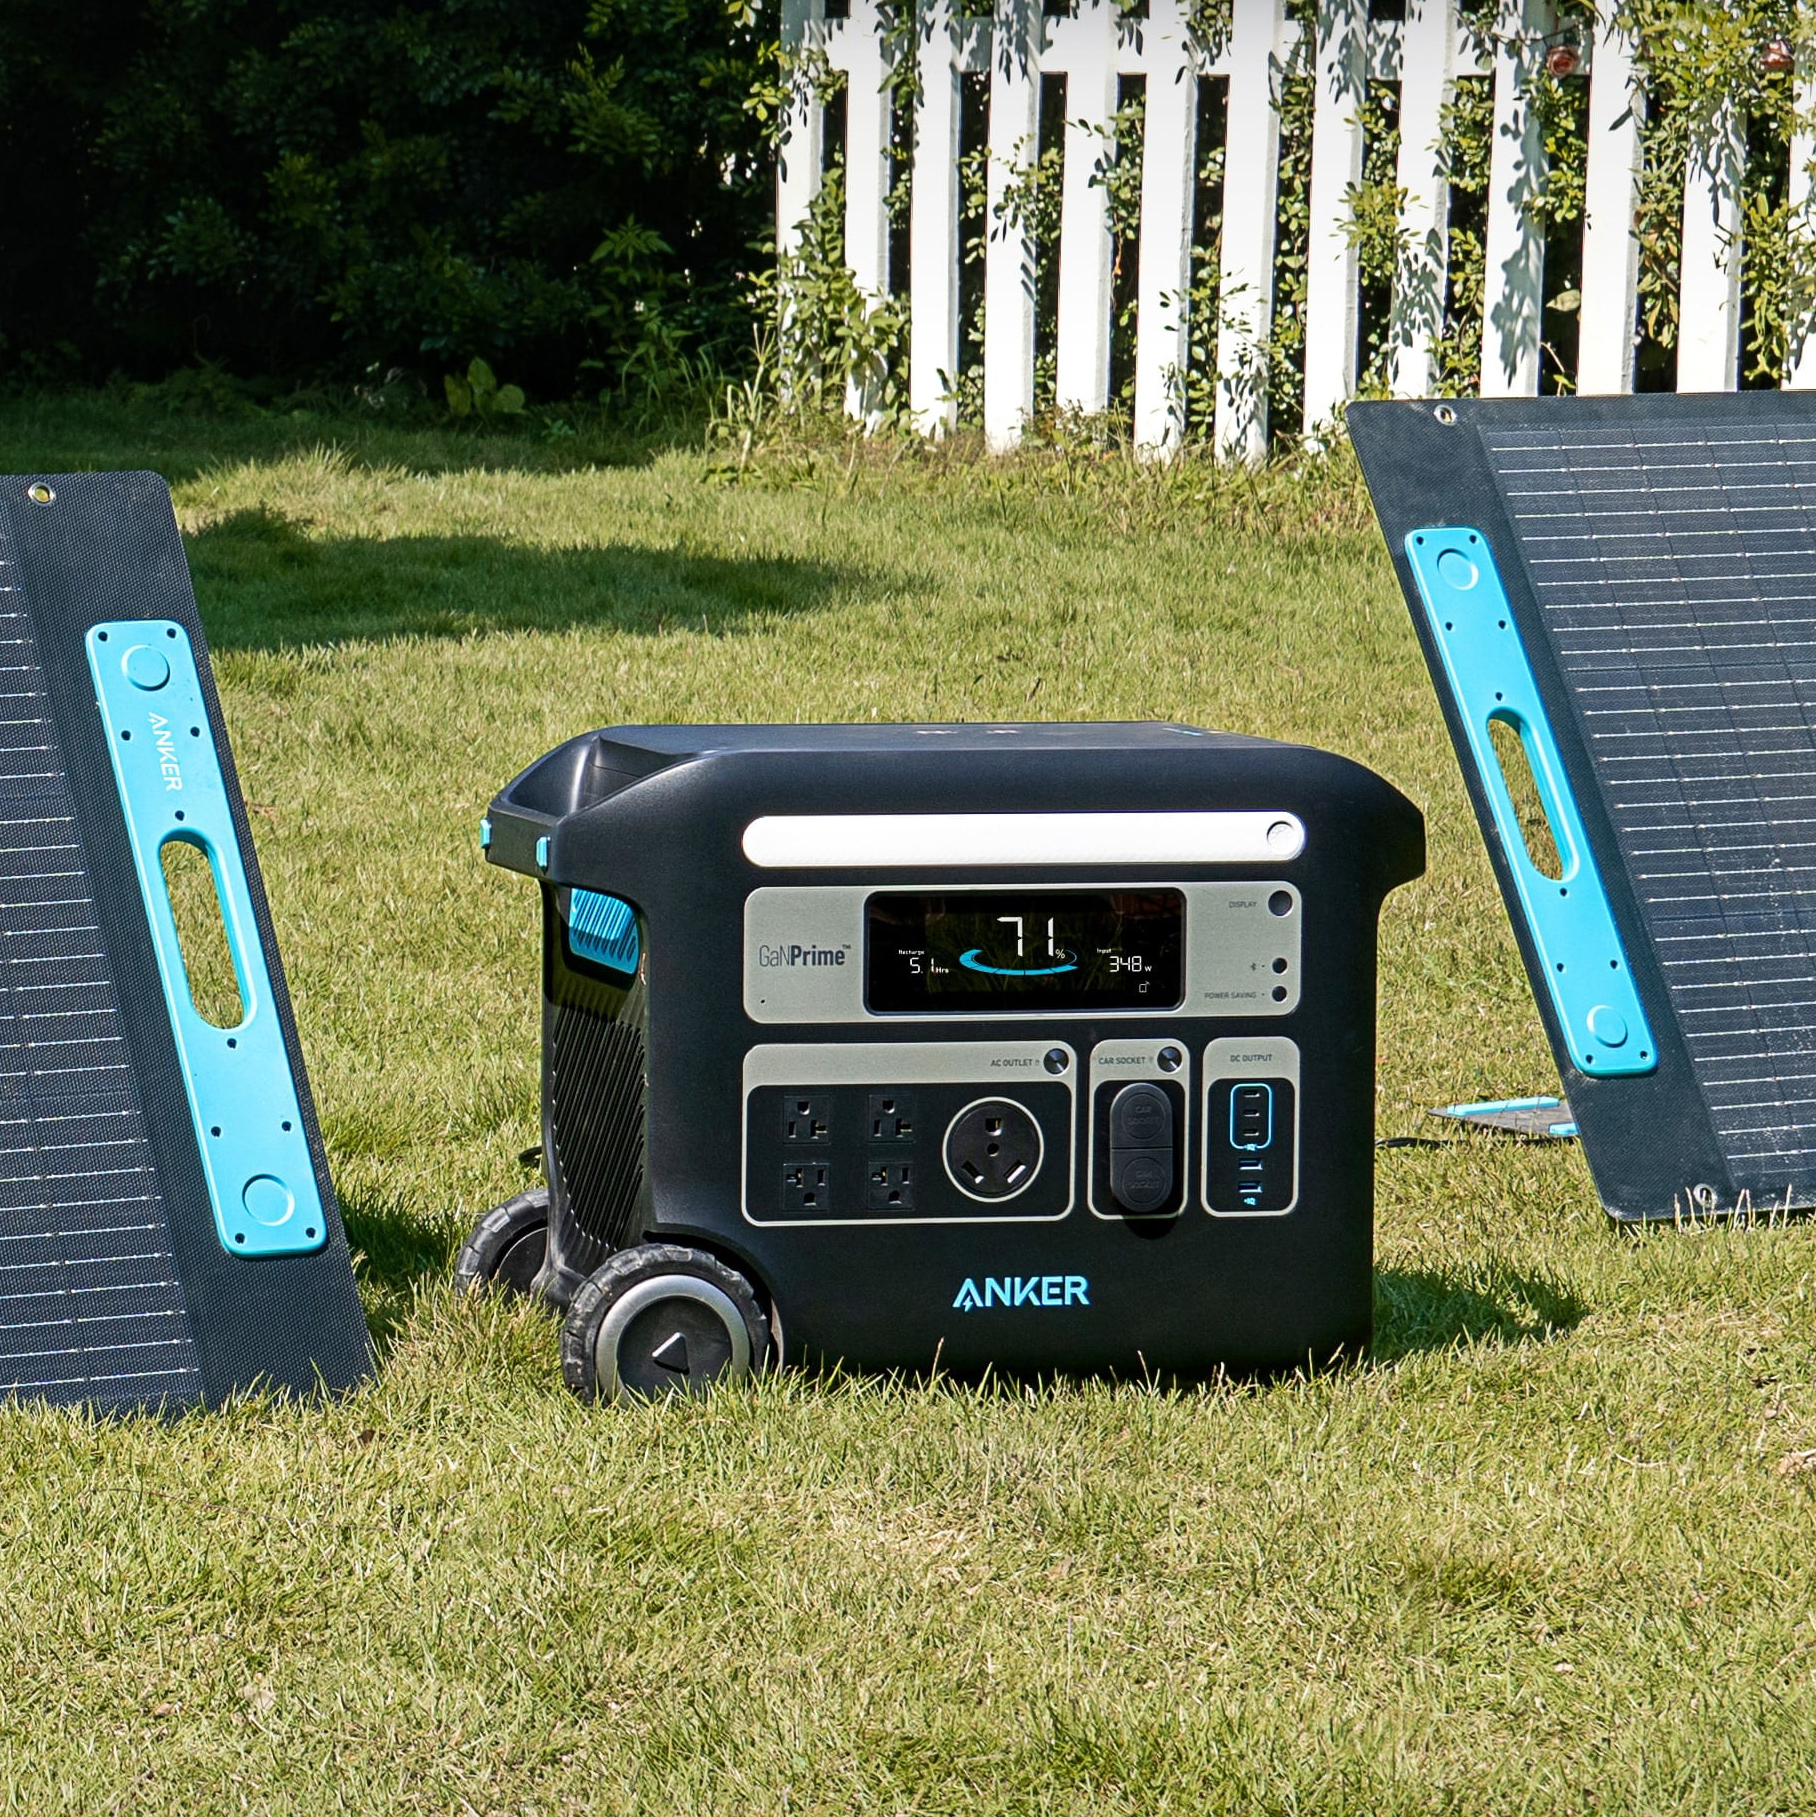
1568, 917
248, 1121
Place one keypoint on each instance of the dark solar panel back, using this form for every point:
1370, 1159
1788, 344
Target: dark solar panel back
1659, 557
115, 1290
90, 1304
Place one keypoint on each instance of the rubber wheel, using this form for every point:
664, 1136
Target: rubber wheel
507, 1246
660, 1319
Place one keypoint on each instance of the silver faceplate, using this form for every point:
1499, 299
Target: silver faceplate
1232, 942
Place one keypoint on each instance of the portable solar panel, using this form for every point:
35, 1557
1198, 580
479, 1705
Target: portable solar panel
168, 1232
1630, 586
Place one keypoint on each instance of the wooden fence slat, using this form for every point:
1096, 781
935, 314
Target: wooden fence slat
798, 156
1708, 297
1604, 361
1802, 376
1099, 39
933, 227
1515, 263
867, 123
1428, 50
1251, 166
1168, 191
1331, 257
1008, 255
1086, 245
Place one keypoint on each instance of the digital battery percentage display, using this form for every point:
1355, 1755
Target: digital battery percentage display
979, 951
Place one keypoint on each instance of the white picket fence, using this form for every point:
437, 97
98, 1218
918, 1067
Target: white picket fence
1093, 47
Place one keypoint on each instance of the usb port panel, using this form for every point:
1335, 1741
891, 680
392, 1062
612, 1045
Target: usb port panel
1252, 1117
1251, 1149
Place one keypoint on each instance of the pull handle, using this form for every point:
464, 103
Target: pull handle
1568, 917
242, 1096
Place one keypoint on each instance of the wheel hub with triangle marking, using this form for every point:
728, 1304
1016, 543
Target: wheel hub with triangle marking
661, 1319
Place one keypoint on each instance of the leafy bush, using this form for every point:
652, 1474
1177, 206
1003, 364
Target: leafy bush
478, 393
567, 191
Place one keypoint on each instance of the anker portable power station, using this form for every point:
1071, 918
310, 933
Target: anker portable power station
1027, 1047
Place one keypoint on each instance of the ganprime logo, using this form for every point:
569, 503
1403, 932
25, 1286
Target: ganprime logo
792, 956
1024, 1290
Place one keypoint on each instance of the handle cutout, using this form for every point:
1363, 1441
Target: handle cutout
203, 939
1512, 751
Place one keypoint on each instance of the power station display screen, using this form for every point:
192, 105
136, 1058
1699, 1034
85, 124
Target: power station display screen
971, 950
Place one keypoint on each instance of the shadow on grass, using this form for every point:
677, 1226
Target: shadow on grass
398, 1252
264, 585
83, 432
1421, 1309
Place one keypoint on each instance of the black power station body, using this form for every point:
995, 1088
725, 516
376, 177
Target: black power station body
1018, 1046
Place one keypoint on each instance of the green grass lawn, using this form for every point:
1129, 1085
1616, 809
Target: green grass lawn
1544, 1553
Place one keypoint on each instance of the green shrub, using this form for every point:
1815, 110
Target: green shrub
567, 191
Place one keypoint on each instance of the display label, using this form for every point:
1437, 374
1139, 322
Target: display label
969, 951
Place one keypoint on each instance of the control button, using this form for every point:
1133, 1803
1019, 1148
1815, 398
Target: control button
1457, 571
1170, 1059
145, 667
268, 1200
1608, 1025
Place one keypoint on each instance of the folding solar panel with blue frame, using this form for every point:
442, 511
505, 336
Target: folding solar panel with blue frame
1629, 585
168, 1230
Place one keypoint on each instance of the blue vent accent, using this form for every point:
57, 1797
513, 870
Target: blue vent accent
542, 853
485, 834
604, 930
1567, 917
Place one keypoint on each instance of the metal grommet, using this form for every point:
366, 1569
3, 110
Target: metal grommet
1445, 415
40, 494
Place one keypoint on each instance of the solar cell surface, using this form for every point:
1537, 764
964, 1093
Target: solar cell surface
1658, 561
90, 1304
1676, 573
117, 1286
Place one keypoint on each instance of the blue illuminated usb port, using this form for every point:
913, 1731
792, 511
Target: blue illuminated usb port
1252, 1117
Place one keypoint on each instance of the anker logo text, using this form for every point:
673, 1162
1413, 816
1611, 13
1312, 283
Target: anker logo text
1024, 1290
802, 955
167, 753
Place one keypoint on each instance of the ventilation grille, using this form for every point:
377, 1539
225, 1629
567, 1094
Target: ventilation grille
596, 1094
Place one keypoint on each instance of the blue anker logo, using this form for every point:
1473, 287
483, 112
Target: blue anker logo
1029, 1290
